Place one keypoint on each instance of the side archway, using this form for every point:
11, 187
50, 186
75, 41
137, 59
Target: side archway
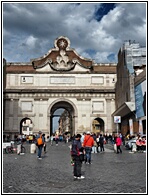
26, 126
98, 125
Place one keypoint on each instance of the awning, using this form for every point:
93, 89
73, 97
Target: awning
142, 118
125, 109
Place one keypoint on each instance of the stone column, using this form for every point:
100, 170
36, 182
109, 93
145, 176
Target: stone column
108, 111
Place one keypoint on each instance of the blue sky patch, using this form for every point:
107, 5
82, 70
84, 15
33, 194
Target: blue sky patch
103, 10
90, 51
111, 57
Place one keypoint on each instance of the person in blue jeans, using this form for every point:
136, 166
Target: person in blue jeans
40, 146
88, 151
88, 144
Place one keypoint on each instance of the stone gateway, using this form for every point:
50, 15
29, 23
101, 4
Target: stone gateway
34, 91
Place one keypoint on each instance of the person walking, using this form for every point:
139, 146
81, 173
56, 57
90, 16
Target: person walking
40, 142
118, 144
76, 152
94, 147
56, 139
97, 141
101, 143
88, 144
82, 138
45, 145
51, 139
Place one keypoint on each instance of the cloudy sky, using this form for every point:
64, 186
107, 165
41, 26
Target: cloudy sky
96, 30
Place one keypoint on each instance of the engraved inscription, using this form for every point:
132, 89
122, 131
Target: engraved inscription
62, 80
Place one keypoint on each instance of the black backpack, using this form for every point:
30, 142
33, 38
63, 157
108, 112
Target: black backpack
74, 148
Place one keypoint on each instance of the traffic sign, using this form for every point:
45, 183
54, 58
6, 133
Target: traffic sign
117, 119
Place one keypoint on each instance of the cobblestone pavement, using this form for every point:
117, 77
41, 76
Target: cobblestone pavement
109, 172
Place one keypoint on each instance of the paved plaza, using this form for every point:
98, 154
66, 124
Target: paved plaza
109, 172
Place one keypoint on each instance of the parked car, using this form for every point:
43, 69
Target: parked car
143, 136
128, 143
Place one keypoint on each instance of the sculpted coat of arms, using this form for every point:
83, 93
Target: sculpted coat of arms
62, 61
61, 58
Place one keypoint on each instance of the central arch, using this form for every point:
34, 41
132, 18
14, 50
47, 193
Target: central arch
67, 105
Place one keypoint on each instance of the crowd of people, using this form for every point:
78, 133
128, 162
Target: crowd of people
82, 146
87, 143
141, 144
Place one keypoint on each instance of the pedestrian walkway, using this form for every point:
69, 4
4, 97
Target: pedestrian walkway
108, 150
109, 172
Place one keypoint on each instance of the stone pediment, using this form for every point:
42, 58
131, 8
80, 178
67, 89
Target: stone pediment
61, 57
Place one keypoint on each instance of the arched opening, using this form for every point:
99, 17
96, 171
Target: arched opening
62, 117
98, 125
26, 126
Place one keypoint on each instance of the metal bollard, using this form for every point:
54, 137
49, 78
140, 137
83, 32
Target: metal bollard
33, 148
134, 147
18, 149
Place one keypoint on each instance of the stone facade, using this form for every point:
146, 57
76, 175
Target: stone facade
59, 79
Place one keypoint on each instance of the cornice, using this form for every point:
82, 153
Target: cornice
59, 91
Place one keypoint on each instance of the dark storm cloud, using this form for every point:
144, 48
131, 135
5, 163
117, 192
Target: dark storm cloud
29, 19
96, 30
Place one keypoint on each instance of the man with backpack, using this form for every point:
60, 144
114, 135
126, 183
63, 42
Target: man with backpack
77, 154
40, 143
88, 144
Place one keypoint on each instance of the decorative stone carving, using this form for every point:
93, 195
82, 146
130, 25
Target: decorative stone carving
62, 58
62, 61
